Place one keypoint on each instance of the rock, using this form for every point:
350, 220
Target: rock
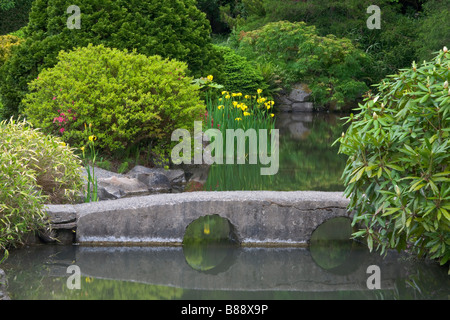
296, 100
120, 187
199, 173
285, 107
102, 173
302, 107
138, 181
299, 93
174, 176
155, 182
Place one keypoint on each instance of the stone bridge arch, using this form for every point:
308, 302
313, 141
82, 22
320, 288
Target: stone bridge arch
259, 217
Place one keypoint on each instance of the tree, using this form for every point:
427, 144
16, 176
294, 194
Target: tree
174, 29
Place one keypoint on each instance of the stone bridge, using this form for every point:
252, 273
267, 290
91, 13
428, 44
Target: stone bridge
258, 217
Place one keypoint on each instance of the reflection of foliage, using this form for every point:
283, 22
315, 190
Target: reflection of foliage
330, 243
308, 164
105, 289
210, 228
30, 277
207, 242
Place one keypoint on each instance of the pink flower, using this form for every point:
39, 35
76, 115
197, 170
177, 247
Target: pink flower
54, 98
61, 130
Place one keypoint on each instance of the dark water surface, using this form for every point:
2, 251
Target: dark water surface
332, 267
337, 271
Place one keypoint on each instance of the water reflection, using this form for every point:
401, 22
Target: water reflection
253, 273
307, 161
209, 244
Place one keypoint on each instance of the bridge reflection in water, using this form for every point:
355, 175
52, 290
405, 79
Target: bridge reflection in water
326, 269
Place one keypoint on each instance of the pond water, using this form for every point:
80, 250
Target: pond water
220, 270
164, 273
330, 268
307, 161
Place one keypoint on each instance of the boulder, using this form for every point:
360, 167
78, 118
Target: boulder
302, 107
299, 93
296, 100
174, 176
138, 181
120, 187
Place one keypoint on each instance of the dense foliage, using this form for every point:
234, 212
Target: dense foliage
410, 30
34, 169
6, 44
173, 29
127, 97
238, 74
331, 67
397, 175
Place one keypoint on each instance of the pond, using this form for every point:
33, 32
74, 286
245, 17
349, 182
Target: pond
307, 161
198, 270
163, 273
332, 267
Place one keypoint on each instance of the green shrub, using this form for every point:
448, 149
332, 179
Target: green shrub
127, 97
397, 175
332, 67
432, 35
174, 29
58, 170
6, 44
238, 74
390, 48
21, 207
34, 169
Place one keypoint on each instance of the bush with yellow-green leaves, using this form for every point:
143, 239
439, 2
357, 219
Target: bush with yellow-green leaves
34, 169
129, 98
7, 42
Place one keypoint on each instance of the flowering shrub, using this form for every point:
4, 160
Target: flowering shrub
398, 171
127, 97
